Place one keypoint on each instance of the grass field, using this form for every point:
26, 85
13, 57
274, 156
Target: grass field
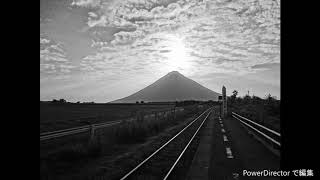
56, 116
251, 111
77, 158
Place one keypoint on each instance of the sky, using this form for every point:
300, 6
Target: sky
103, 50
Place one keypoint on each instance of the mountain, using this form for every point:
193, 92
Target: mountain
171, 87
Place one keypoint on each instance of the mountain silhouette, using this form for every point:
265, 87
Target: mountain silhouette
171, 87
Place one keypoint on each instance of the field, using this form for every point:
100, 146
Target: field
56, 116
78, 158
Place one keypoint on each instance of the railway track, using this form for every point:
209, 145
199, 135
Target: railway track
161, 163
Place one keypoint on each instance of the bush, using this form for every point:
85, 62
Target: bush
258, 109
137, 131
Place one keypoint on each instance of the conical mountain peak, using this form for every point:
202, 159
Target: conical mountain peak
174, 72
171, 87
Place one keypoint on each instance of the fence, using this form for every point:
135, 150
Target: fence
269, 137
93, 127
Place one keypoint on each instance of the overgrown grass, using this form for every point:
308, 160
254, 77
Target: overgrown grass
137, 131
55, 116
106, 142
263, 111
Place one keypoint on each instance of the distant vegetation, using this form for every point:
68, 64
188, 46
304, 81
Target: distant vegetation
265, 110
61, 101
60, 114
178, 103
187, 102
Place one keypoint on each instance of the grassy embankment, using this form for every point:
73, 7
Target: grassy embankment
264, 111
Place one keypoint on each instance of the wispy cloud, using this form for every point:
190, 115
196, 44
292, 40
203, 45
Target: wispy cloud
266, 66
86, 3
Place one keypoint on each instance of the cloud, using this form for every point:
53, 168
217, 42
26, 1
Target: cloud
240, 32
193, 53
164, 51
124, 37
102, 21
266, 66
47, 68
222, 60
92, 14
66, 68
48, 55
54, 61
44, 41
85, 3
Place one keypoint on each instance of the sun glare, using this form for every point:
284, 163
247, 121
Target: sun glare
178, 58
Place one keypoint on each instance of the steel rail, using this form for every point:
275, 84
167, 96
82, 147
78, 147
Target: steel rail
175, 163
164, 145
268, 137
270, 130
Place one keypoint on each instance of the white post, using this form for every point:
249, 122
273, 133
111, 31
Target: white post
224, 101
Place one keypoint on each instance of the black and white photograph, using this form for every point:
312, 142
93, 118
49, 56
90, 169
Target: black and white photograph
161, 90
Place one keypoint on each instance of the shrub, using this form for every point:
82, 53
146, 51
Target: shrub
136, 131
258, 109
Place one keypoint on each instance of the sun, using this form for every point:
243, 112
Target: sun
178, 58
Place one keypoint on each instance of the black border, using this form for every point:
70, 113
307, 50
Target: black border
298, 89
299, 92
